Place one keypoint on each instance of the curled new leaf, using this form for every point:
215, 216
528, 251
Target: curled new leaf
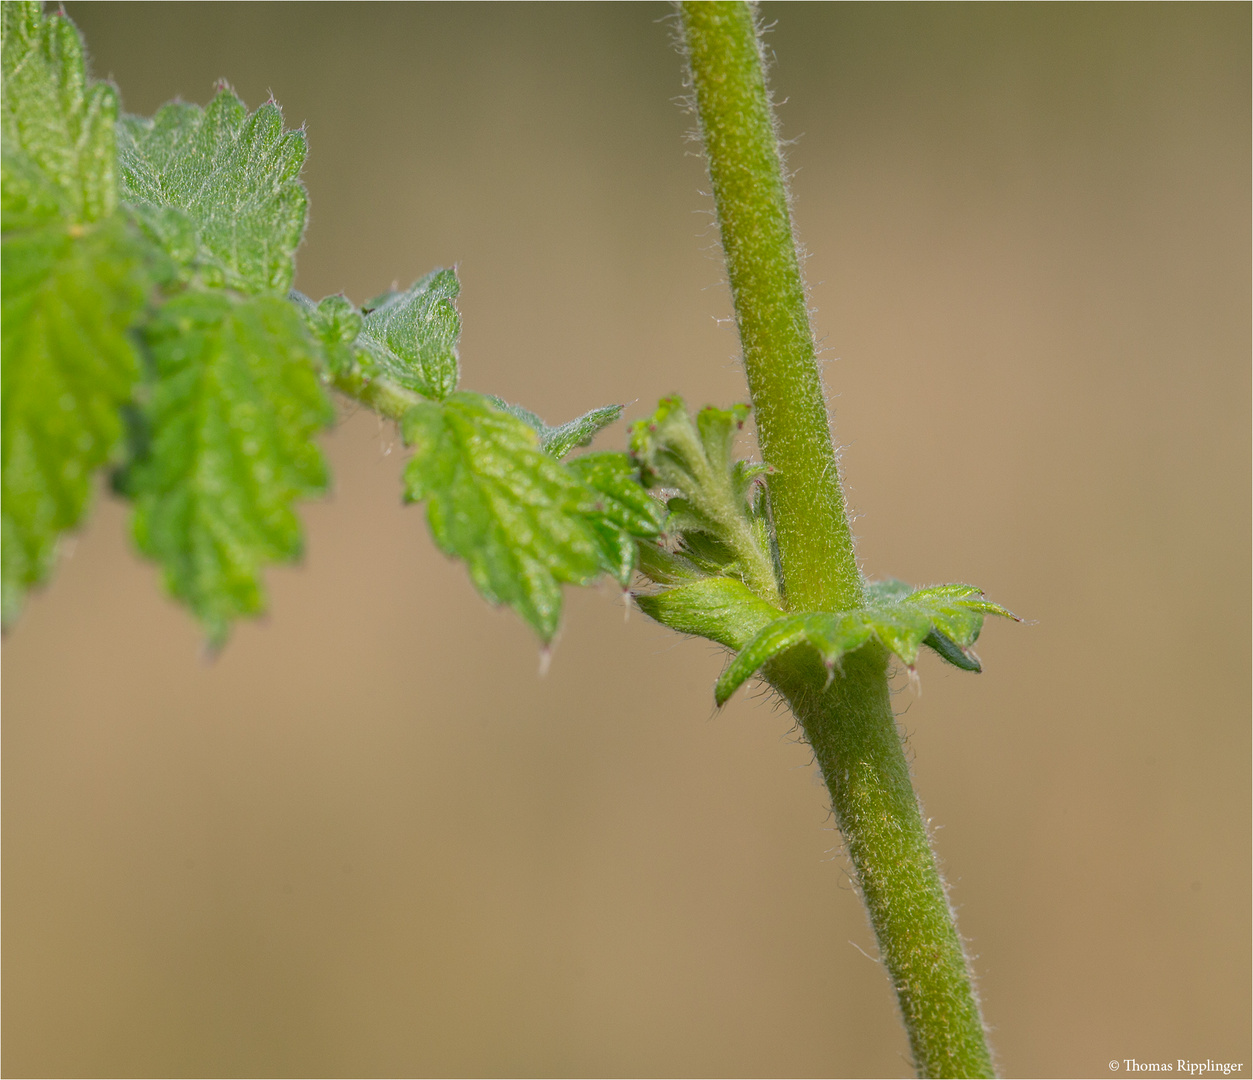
715, 510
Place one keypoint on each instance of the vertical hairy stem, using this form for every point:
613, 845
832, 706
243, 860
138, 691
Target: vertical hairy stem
737, 125
848, 720
852, 730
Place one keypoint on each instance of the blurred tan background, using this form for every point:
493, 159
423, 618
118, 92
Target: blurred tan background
370, 840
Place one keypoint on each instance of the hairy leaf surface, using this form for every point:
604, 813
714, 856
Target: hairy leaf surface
219, 189
722, 609
235, 405
400, 341
58, 149
623, 511
560, 440
523, 522
411, 337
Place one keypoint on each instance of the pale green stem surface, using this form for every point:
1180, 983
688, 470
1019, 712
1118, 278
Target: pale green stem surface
849, 721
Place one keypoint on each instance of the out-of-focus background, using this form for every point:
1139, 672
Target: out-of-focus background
370, 840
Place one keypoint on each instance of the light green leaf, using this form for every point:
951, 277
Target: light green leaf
947, 618
68, 367
523, 522
776, 638
58, 139
410, 338
219, 189
72, 280
335, 324
722, 609
559, 441
235, 405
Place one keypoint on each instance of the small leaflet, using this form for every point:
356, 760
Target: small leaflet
523, 522
623, 512
411, 337
559, 441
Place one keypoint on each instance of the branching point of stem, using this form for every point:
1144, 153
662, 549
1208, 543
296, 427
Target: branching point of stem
846, 714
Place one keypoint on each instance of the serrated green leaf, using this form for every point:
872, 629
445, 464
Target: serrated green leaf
58, 139
769, 642
623, 511
72, 281
69, 365
219, 189
559, 441
235, 404
946, 618
410, 338
523, 522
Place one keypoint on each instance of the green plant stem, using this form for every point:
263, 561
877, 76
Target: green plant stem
382, 395
807, 502
848, 720
852, 730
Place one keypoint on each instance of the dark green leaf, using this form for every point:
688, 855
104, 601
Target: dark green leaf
948, 650
235, 405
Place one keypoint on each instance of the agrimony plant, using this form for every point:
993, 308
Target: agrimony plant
150, 330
